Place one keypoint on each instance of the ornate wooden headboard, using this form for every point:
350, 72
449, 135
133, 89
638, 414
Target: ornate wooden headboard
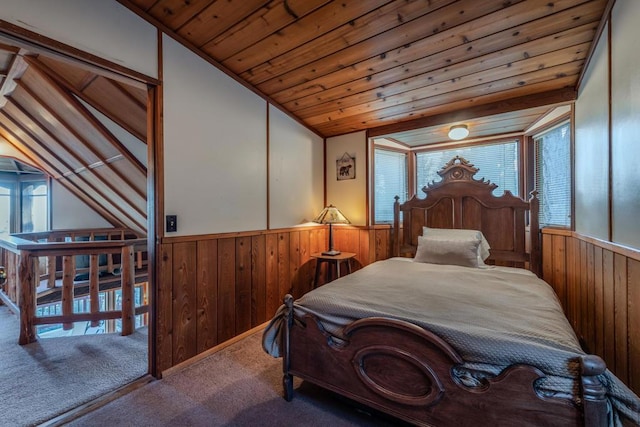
461, 201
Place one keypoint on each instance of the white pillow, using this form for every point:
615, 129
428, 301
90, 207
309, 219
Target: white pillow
456, 233
440, 250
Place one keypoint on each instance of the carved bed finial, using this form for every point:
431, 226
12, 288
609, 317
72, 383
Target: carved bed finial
458, 169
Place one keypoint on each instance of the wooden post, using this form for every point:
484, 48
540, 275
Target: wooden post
94, 301
68, 272
128, 289
26, 298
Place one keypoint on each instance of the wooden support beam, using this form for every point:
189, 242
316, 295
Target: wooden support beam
128, 290
94, 300
68, 273
27, 298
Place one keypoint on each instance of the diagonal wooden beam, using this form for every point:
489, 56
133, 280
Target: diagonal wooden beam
16, 69
80, 138
43, 147
38, 159
80, 94
72, 152
102, 129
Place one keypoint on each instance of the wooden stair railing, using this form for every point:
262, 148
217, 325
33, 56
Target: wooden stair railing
23, 257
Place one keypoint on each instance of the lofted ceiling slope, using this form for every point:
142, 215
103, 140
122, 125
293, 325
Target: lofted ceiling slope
348, 65
60, 117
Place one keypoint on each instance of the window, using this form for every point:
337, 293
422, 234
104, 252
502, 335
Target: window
498, 163
5, 209
553, 175
390, 168
34, 206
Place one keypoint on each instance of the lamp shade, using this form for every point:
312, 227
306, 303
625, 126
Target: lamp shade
458, 132
331, 215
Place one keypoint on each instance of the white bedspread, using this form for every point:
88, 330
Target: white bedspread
492, 317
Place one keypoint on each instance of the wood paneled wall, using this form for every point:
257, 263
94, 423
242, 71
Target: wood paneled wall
598, 284
214, 287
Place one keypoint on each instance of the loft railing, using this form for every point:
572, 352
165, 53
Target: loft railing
45, 263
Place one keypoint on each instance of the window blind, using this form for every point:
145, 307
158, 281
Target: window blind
390, 168
553, 176
498, 163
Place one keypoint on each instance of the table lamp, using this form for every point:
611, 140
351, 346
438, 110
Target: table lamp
331, 215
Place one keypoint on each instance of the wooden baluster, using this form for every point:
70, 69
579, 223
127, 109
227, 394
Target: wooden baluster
51, 268
68, 273
128, 289
94, 301
27, 298
109, 258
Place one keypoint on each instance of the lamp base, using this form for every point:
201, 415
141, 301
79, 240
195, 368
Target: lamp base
331, 253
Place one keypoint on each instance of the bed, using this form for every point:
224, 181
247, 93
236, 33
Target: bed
459, 339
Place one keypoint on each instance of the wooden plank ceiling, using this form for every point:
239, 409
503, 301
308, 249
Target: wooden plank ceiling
348, 65
47, 112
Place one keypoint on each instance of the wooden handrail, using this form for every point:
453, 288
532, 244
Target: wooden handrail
25, 255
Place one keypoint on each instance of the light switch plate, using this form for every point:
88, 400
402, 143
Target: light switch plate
172, 223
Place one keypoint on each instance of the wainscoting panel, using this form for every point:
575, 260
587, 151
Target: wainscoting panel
212, 288
598, 284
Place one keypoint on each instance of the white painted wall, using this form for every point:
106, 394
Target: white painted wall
101, 27
69, 212
296, 184
350, 196
215, 147
625, 121
592, 147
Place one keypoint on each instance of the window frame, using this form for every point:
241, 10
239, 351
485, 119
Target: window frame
410, 171
530, 150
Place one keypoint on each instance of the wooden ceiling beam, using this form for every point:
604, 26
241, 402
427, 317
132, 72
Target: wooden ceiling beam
44, 148
111, 186
554, 97
81, 139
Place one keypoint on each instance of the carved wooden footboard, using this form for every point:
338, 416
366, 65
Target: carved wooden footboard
406, 371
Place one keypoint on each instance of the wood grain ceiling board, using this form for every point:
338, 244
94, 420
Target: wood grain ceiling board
344, 66
125, 105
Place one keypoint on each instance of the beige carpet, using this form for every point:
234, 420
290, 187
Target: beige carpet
238, 386
41, 380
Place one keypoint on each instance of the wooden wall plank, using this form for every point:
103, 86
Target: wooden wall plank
589, 333
243, 284
164, 305
598, 302
207, 294
305, 271
570, 308
362, 254
284, 283
258, 281
271, 281
547, 258
294, 264
633, 323
226, 289
620, 316
608, 306
184, 302
559, 268
583, 291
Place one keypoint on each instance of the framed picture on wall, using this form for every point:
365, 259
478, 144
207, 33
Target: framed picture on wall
346, 167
